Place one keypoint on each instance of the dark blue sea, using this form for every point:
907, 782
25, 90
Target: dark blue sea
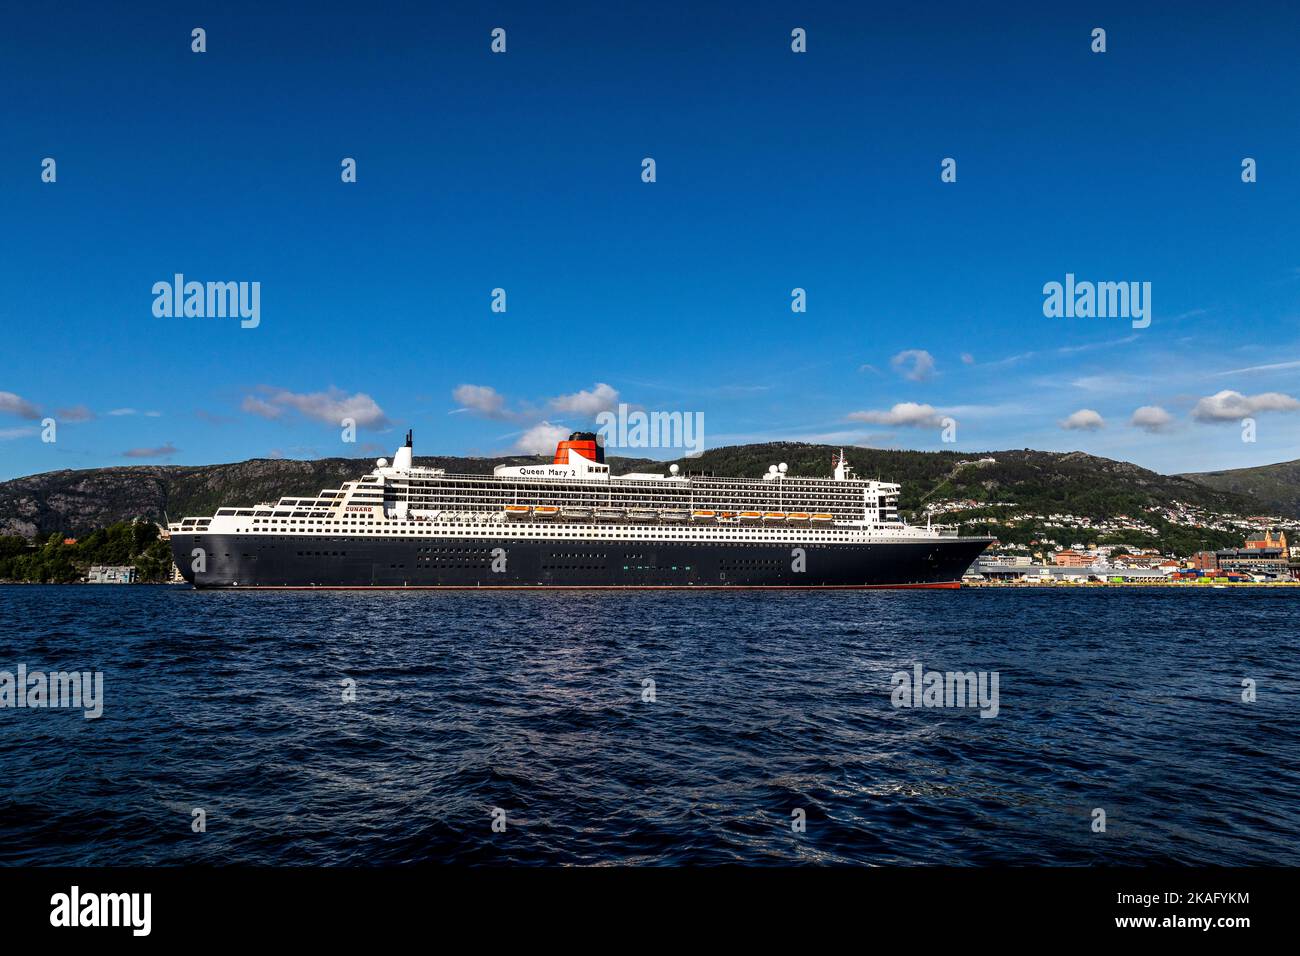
765, 704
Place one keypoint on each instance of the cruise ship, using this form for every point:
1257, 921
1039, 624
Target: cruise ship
573, 524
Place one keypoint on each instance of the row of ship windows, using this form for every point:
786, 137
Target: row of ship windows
483, 565
634, 501
485, 553
602, 567
401, 489
801, 541
554, 531
293, 524
598, 501
702, 484
446, 553
853, 506
658, 490
788, 536
353, 518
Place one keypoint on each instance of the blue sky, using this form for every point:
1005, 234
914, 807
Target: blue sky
522, 171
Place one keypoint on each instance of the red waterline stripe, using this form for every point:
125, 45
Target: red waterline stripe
946, 585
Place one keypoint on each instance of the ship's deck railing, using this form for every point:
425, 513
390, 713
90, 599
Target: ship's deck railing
665, 481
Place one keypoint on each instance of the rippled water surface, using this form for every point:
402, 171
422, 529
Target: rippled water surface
1123, 699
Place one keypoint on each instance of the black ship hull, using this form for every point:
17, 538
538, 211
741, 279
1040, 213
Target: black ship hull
273, 561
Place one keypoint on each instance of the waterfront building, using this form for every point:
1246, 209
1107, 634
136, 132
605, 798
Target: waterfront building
1205, 561
107, 574
1070, 558
1264, 557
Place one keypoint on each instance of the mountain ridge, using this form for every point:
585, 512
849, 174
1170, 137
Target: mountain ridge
1276, 485
75, 501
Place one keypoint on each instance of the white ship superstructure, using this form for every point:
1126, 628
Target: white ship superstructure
582, 498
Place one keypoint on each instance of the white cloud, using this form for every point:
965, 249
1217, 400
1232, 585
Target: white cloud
486, 401
1250, 370
1085, 419
1063, 350
967, 358
119, 412
1227, 405
480, 399
1109, 383
15, 405
77, 413
1151, 418
331, 406
905, 414
1002, 409
915, 365
255, 406
9, 434
1090, 346
588, 403
541, 439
